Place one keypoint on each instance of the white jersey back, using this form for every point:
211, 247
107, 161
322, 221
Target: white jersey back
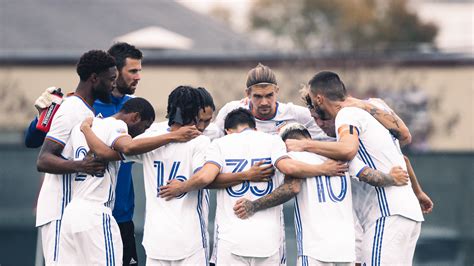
379, 150
285, 113
55, 192
323, 215
97, 189
259, 235
174, 229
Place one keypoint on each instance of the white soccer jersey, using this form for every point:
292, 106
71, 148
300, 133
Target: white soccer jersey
379, 150
259, 235
173, 229
285, 113
97, 189
323, 213
55, 192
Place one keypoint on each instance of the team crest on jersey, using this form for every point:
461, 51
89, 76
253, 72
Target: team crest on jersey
121, 130
280, 124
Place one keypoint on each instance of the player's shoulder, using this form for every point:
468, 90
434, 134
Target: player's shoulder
75, 104
351, 111
212, 131
157, 126
234, 105
293, 109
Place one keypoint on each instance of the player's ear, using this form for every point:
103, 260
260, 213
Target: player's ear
277, 89
136, 117
247, 92
94, 78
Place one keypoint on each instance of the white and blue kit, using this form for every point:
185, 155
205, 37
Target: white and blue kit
255, 240
55, 191
286, 113
383, 212
90, 235
323, 215
174, 230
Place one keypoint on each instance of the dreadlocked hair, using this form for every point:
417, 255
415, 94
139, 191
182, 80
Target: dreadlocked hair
184, 104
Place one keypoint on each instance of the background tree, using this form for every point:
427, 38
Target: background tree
342, 25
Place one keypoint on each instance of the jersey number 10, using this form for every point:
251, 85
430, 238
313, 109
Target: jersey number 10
329, 191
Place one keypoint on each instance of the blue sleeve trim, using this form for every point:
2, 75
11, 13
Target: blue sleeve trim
360, 171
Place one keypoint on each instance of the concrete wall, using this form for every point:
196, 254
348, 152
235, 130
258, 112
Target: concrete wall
450, 88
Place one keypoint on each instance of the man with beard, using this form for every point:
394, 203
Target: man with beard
98, 73
390, 217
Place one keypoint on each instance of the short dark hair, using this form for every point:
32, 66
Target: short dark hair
206, 98
328, 84
141, 106
121, 51
184, 104
294, 131
260, 74
239, 116
94, 61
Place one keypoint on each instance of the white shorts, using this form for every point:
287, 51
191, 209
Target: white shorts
50, 241
283, 240
198, 258
359, 236
310, 261
390, 240
89, 236
224, 256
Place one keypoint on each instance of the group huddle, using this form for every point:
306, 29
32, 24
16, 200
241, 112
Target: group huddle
357, 199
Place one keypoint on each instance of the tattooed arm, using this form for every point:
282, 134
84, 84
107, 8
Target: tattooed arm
245, 208
396, 177
388, 118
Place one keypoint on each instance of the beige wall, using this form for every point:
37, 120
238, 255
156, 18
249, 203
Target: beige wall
453, 86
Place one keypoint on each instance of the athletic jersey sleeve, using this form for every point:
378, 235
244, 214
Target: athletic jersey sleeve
355, 167
278, 149
63, 122
214, 155
351, 116
138, 158
199, 153
118, 129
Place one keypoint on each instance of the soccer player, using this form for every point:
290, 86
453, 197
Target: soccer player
323, 206
97, 72
255, 241
390, 120
385, 213
204, 124
270, 114
89, 233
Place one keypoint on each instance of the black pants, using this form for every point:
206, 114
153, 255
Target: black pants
127, 231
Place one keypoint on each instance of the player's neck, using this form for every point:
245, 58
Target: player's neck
117, 94
85, 92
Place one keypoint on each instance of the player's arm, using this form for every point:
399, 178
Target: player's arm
51, 161
388, 118
245, 208
147, 144
34, 138
257, 173
129, 146
299, 169
199, 180
425, 202
396, 177
345, 149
